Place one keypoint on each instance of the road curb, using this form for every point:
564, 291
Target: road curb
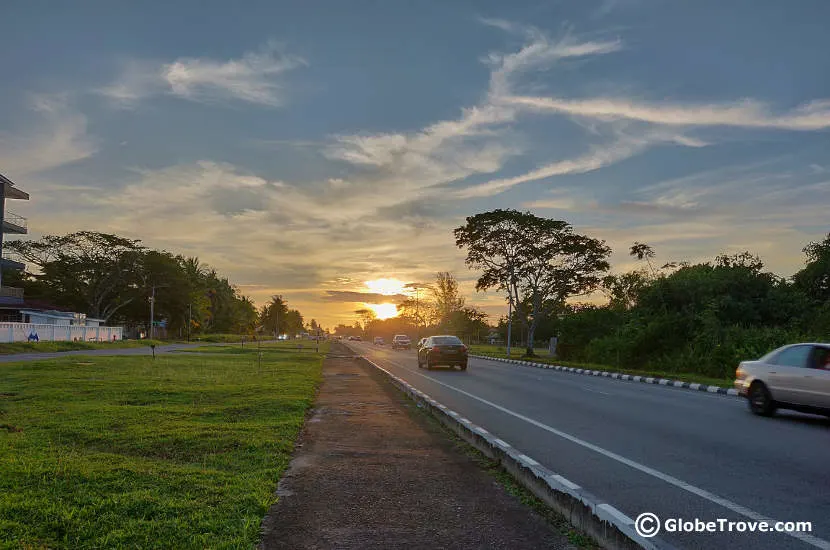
603, 522
617, 376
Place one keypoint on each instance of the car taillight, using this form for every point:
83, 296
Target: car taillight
739, 373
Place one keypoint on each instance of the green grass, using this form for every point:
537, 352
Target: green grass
219, 338
544, 357
50, 347
177, 452
288, 346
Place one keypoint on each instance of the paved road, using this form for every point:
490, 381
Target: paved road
674, 452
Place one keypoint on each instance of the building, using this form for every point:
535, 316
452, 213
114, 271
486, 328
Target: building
22, 319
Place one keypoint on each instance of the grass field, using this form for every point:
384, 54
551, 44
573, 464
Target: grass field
49, 347
544, 357
116, 452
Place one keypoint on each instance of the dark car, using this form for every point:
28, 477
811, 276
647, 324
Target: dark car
442, 350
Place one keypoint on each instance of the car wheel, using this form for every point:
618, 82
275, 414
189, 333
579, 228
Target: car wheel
760, 400
463, 366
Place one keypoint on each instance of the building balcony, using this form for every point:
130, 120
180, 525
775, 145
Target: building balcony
12, 223
10, 292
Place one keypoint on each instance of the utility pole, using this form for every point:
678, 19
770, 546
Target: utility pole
509, 320
152, 311
152, 308
189, 319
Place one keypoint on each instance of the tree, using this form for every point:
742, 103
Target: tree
642, 251
95, 273
814, 278
622, 290
446, 299
541, 261
293, 321
273, 317
367, 316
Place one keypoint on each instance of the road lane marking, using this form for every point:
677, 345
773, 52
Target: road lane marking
594, 391
671, 480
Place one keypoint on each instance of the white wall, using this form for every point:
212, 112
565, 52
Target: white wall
19, 332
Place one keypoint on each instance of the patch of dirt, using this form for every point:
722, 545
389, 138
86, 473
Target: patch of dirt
371, 474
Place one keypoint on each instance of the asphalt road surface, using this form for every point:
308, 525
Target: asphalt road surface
642, 448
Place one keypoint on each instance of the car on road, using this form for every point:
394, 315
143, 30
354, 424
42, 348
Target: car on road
795, 377
378, 341
442, 350
401, 341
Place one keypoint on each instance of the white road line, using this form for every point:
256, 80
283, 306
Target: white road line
671, 480
594, 391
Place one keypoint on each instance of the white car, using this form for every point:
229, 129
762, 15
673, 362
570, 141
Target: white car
401, 341
793, 377
378, 341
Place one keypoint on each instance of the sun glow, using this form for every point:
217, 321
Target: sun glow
384, 311
386, 287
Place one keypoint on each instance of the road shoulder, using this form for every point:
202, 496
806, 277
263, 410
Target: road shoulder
370, 473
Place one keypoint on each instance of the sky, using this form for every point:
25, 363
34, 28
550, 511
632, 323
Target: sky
305, 148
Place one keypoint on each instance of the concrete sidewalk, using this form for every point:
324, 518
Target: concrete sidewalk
371, 472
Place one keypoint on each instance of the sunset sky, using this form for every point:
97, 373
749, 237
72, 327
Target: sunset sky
305, 148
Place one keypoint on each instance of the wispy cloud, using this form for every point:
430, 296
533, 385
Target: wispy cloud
746, 113
254, 78
623, 147
56, 138
453, 150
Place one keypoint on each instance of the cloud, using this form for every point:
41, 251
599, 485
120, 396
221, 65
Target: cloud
418, 164
362, 297
624, 146
58, 137
254, 78
746, 113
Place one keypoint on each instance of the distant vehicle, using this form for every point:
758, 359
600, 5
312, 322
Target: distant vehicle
401, 341
795, 377
442, 350
378, 341
358, 339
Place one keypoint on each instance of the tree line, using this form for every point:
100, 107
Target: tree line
112, 278
679, 317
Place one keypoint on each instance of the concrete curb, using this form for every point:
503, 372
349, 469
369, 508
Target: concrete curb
616, 375
608, 526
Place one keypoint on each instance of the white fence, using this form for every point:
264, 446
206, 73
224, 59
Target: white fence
22, 332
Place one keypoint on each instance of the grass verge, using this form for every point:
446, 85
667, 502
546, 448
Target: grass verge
177, 452
517, 353
287, 346
51, 347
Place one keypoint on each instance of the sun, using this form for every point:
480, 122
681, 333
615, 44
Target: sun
384, 311
387, 287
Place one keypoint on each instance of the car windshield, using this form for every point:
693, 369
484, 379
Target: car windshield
446, 341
